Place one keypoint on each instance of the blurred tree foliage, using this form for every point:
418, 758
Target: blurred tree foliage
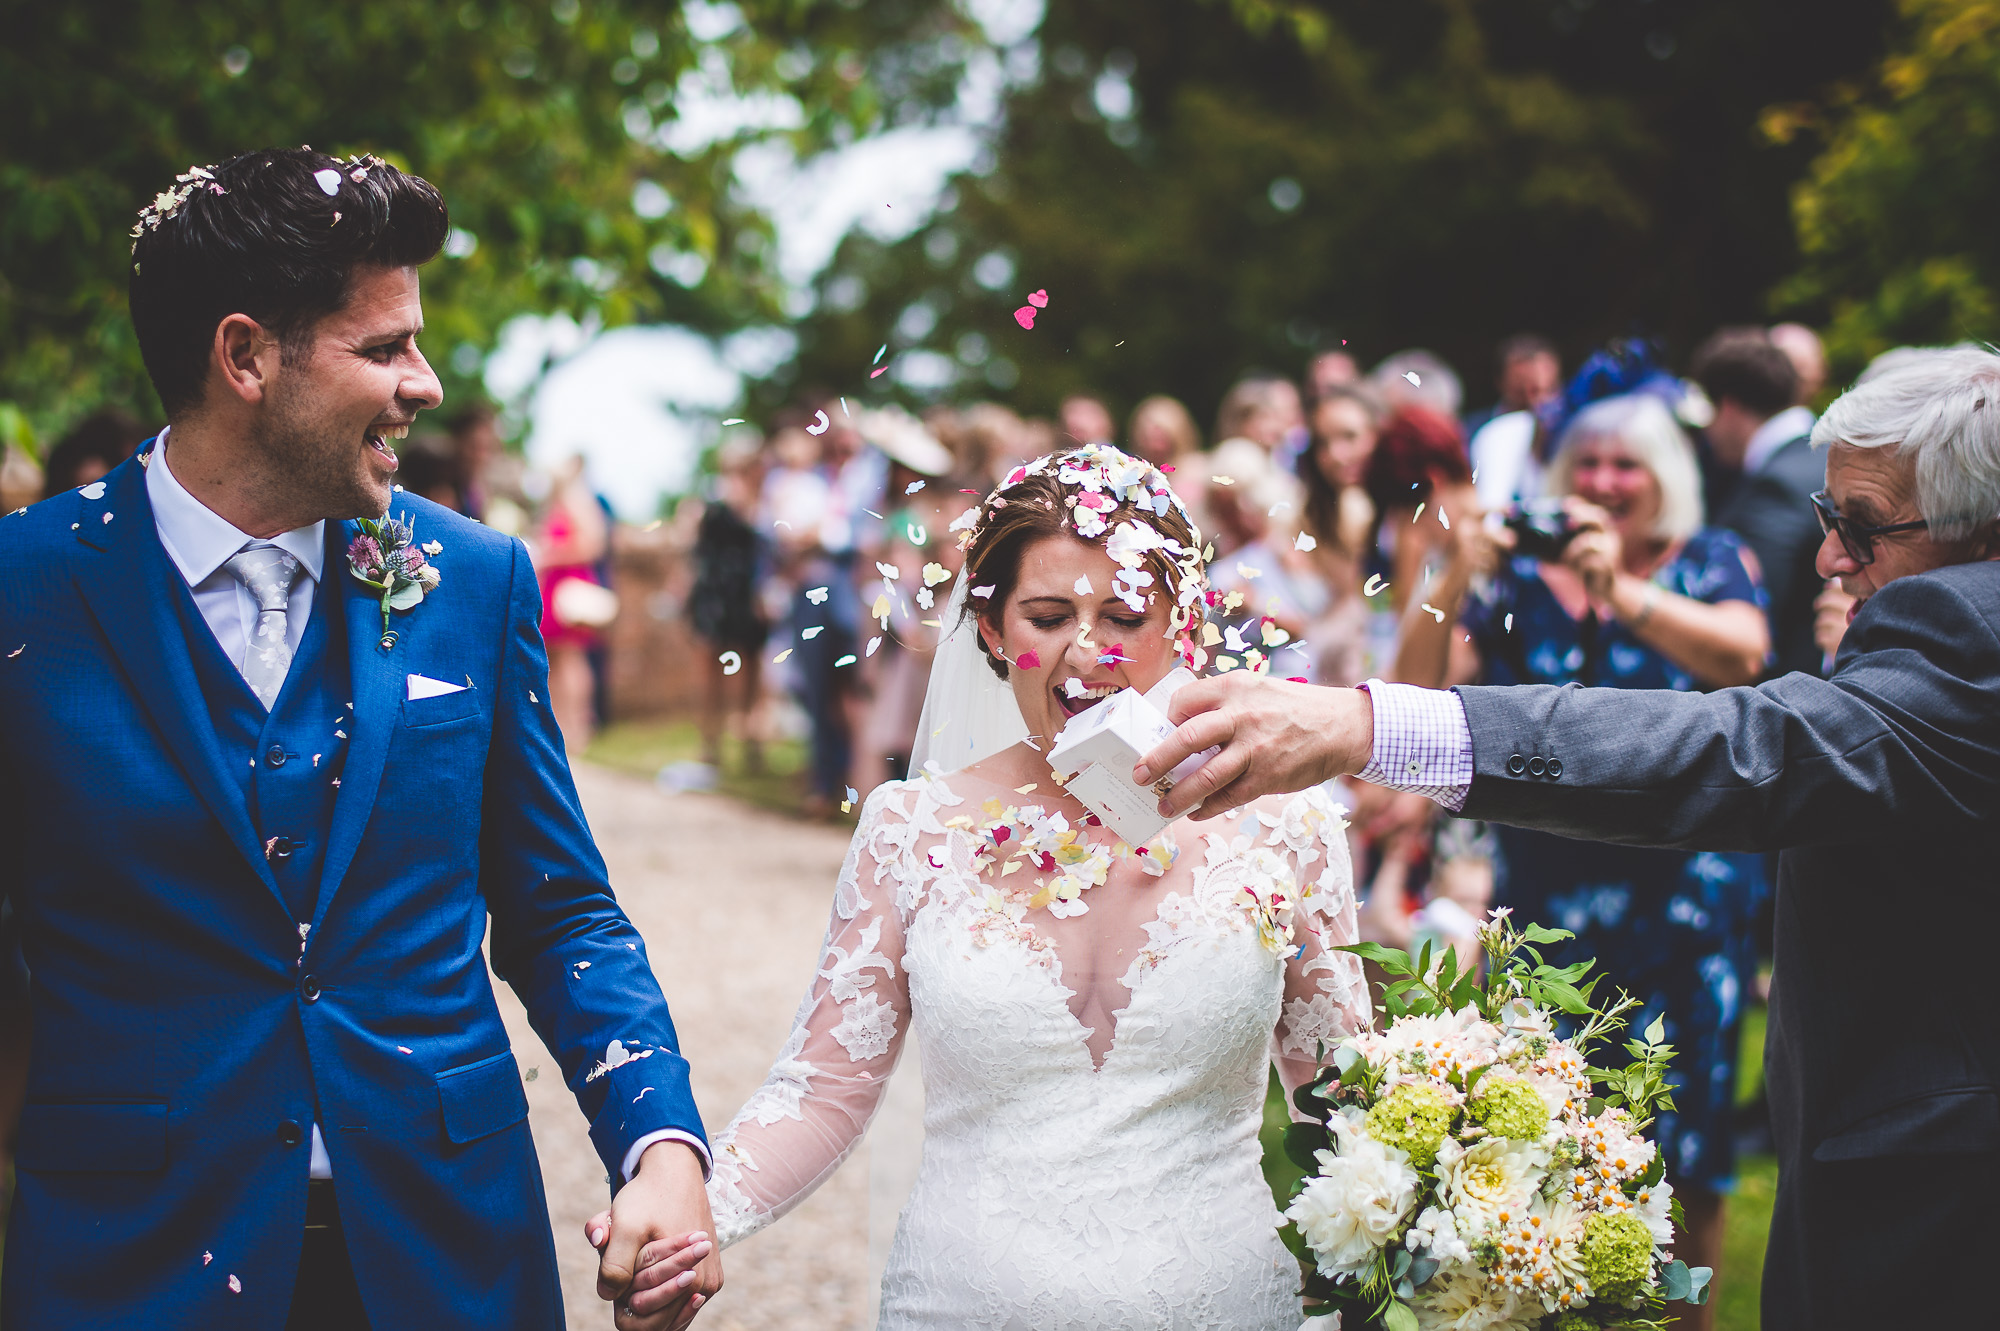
555, 130
1207, 185
1896, 219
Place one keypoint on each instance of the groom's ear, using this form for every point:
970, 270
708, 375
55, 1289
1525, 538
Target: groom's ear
246, 356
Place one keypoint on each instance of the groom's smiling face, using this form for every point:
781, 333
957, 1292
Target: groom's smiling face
337, 405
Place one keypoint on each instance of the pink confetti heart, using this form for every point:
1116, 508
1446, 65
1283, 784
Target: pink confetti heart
1028, 661
1038, 299
1025, 316
879, 371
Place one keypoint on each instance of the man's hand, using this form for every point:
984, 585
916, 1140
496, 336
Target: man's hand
657, 1262
1275, 736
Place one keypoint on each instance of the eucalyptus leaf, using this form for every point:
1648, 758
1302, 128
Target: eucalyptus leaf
1674, 1282
1422, 1269
1699, 1278
1400, 1263
407, 597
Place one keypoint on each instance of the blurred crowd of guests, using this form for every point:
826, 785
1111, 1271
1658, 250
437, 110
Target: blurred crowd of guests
1629, 524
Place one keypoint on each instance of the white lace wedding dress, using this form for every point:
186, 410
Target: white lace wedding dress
1096, 1172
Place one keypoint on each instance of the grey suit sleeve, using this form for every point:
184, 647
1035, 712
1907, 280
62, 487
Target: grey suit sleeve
1903, 741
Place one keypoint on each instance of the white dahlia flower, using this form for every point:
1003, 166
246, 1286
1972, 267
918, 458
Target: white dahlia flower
1461, 1298
1490, 1182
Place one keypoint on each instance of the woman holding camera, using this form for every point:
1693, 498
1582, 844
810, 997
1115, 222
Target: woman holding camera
1619, 584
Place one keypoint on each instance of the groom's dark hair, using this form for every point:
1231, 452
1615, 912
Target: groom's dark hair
262, 235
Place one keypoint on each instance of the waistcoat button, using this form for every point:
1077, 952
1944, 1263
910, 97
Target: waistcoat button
309, 988
274, 756
290, 1133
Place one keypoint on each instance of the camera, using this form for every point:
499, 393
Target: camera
1542, 528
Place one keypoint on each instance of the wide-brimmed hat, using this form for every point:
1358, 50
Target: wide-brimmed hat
903, 438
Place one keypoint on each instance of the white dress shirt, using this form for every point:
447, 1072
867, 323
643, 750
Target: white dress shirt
1422, 742
200, 541
1774, 434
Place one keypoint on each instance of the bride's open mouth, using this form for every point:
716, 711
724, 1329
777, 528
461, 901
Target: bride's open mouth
379, 437
1091, 695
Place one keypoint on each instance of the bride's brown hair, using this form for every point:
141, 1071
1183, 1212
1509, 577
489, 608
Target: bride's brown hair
1038, 504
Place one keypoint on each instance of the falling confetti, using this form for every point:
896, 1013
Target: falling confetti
207, 1257
1419, 513
1039, 299
873, 643
880, 352
17, 651
817, 596
913, 487
1028, 789
984, 592
1374, 586
1028, 660
404, 1049
1507, 624
1433, 611
1306, 542
734, 420
781, 657
1443, 521
846, 660
235, 1285
878, 372
821, 423
1083, 586
1411, 375
1025, 316
531, 698
640, 1096
731, 662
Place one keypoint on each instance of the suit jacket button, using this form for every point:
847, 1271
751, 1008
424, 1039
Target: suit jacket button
274, 756
1517, 764
1536, 767
309, 988
290, 1133
1555, 768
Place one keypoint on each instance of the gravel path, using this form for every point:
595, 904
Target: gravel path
733, 903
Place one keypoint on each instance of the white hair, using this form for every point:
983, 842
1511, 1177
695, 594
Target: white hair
1641, 425
1940, 410
1436, 384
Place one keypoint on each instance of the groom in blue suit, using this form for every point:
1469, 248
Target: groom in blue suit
267, 775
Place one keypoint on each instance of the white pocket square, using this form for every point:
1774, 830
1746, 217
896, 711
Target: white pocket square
423, 686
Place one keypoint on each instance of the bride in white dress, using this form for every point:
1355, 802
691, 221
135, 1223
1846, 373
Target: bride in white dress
1098, 1020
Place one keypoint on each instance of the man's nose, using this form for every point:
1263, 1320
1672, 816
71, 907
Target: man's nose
421, 384
1833, 561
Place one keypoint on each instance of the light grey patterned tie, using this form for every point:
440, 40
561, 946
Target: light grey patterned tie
269, 573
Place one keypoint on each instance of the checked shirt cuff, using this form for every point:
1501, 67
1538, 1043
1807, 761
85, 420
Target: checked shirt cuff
1422, 742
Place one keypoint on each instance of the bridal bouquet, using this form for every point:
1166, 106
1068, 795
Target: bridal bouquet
1469, 1169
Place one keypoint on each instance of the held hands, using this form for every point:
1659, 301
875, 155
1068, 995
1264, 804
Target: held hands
1275, 736
657, 1262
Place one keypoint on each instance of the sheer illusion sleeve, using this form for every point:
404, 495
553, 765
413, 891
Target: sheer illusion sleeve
1326, 998
829, 1078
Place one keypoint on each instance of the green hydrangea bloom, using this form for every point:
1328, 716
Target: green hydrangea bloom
1509, 1107
1575, 1322
1413, 1118
1617, 1254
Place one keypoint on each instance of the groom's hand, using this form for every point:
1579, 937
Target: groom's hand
657, 1263
1275, 736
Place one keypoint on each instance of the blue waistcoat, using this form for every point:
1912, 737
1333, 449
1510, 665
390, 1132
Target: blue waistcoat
287, 761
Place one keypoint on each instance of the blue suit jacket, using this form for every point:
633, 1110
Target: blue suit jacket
181, 1039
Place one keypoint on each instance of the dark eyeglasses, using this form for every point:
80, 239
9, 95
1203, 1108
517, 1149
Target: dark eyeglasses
1858, 541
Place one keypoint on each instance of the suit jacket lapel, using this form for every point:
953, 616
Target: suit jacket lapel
375, 675
129, 584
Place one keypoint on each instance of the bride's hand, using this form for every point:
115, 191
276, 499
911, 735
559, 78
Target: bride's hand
657, 1261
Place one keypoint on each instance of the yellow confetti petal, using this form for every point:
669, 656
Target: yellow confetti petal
881, 606
779, 659
1023, 790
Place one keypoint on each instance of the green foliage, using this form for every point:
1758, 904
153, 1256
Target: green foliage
1286, 176
1895, 217
542, 123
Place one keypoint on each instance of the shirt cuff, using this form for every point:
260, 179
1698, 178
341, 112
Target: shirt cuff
1422, 742
667, 1135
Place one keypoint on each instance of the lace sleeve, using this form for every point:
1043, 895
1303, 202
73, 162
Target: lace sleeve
1326, 997
828, 1079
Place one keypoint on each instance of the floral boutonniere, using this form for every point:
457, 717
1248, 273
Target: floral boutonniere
385, 556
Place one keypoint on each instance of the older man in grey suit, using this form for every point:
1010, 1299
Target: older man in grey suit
1881, 785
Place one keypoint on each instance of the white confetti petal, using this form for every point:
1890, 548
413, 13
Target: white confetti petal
329, 185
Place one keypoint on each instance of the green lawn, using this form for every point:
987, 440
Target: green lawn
644, 747
1749, 1210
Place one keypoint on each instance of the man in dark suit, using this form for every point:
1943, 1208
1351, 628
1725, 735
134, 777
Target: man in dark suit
1881, 786
1762, 440
266, 776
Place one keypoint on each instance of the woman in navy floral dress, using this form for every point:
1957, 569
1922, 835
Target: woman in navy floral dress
1643, 597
